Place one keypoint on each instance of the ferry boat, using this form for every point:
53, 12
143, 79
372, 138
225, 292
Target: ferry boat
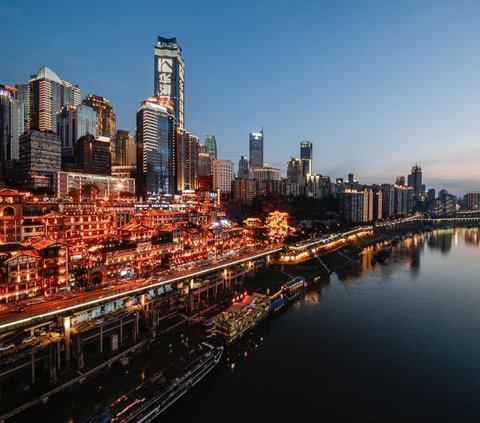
145, 402
242, 315
292, 288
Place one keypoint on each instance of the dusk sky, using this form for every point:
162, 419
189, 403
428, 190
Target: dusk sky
375, 85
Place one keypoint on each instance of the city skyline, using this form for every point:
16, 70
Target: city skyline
372, 105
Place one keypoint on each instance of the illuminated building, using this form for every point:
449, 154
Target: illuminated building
306, 153
106, 119
125, 148
266, 173
472, 200
155, 148
47, 94
297, 170
11, 127
211, 146
222, 175
358, 206
40, 159
403, 199
11, 215
318, 186
244, 190
186, 160
93, 155
169, 76
73, 122
415, 181
107, 185
256, 149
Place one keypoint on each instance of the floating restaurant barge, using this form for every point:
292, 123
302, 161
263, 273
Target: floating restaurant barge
292, 288
242, 315
145, 402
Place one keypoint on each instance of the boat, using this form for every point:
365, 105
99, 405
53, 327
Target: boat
292, 288
241, 316
149, 399
277, 305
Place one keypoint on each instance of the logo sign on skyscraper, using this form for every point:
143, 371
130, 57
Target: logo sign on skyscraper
165, 69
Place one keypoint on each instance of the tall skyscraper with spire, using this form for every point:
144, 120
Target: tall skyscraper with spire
169, 76
256, 149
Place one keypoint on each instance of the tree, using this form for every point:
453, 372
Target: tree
75, 194
90, 190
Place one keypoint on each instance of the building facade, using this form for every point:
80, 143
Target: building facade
125, 148
40, 159
306, 153
169, 76
73, 122
108, 186
47, 94
243, 168
156, 148
256, 149
222, 175
211, 146
186, 151
92, 155
11, 127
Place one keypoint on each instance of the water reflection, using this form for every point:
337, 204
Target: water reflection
471, 237
441, 240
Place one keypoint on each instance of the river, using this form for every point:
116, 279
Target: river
391, 342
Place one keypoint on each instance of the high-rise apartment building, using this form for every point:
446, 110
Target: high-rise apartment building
306, 153
472, 200
223, 175
40, 159
256, 149
93, 155
106, 119
243, 168
415, 181
211, 145
47, 94
73, 122
125, 148
169, 76
155, 148
297, 170
11, 128
186, 160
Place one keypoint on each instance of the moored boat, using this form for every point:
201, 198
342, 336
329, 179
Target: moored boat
145, 402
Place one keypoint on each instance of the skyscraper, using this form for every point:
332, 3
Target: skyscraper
222, 175
211, 145
106, 119
415, 181
155, 148
243, 168
125, 148
306, 153
47, 94
169, 76
74, 122
93, 155
40, 159
11, 127
186, 160
256, 149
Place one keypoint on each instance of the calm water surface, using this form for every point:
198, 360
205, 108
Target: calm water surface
393, 342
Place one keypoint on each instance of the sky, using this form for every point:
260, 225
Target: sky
377, 86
